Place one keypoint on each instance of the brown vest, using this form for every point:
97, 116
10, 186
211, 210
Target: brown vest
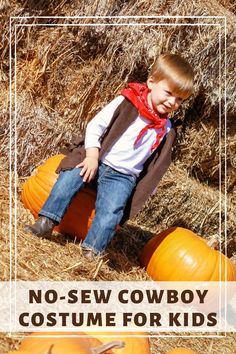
154, 167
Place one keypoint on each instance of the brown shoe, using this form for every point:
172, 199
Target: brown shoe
42, 227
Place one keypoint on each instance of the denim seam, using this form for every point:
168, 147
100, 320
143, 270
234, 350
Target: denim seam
50, 215
89, 247
104, 173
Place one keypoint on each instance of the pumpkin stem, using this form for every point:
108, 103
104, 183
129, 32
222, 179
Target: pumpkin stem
50, 350
116, 344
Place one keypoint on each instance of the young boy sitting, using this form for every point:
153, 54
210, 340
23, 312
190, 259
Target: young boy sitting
126, 151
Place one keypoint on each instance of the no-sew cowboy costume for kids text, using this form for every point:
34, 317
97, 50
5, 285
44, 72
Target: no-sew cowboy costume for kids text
135, 151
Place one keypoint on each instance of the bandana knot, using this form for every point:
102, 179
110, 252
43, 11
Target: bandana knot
137, 94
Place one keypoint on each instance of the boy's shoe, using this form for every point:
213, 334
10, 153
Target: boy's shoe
42, 227
89, 254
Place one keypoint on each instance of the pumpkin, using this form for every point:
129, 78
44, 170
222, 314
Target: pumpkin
177, 254
36, 189
59, 344
19, 352
181, 351
133, 344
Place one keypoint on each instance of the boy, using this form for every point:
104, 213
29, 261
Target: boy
127, 150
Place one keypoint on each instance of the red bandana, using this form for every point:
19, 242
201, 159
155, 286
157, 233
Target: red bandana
137, 94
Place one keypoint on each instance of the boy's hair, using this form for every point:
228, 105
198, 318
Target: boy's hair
177, 71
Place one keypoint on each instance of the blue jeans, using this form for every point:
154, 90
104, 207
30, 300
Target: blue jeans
113, 191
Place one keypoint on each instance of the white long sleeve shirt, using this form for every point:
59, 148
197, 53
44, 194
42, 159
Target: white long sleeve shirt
124, 156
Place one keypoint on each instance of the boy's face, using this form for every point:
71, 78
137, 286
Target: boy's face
161, 97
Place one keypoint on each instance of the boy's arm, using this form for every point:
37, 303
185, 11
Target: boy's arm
94, 131
96, 127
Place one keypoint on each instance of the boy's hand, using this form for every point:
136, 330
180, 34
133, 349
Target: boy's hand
89, 168
89, 164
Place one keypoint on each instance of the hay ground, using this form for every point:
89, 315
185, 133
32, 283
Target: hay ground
64, 75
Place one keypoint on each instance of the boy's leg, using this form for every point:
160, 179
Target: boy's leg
113, 191
67, 185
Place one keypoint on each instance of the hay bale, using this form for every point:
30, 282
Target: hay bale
8, 343
62, 72
64, 76
183, 201
203, 150
200, 345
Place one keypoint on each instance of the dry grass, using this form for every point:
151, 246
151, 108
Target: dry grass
183, 201
64, 76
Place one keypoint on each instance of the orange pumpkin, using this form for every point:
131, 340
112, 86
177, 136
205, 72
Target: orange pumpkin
19, 352
133, 344
60, 344
177, 254
181, 351
36, 189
